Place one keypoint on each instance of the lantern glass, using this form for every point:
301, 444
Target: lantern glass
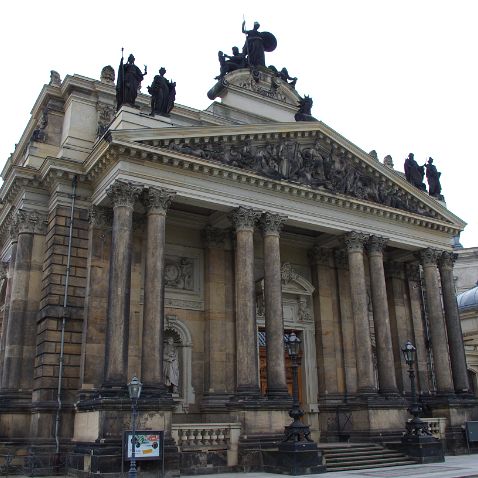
293, 345
409, 352
134, 388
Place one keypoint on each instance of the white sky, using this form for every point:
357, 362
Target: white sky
394, 76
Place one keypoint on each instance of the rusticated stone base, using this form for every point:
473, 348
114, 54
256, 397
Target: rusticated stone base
294, 458
424, 449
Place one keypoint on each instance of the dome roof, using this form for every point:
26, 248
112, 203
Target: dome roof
468, 299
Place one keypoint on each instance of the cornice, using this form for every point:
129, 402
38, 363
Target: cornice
131, 151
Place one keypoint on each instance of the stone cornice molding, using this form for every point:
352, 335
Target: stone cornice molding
271, 223
376, 244
447, 260
355, 241
30, 222
157, 200
123, 194
213, 237
429, 257
244, 218
101, 217
321, 255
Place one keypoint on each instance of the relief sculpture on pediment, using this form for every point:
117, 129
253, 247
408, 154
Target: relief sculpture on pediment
316, 165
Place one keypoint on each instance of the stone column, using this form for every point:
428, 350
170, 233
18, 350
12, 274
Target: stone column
416, 309
19, 329
347, 321
271, 225
123, 196
157, 202
381, 319
453, 325
247, 373
365, 376
8, 293
441, 357
216, 344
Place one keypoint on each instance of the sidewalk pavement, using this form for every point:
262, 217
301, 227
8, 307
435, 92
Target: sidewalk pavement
454, 467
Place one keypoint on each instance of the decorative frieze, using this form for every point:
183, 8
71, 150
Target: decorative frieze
213, 237
355, 241
123, 193
288, 273
100, 217
272, 223
244, 218
178, 273
158, 199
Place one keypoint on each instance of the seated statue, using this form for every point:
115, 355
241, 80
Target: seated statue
283, 75
305, 110
230, 63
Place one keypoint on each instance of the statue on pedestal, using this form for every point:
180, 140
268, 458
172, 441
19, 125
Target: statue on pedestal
414, 173
305, 110
231, 63
433, 179
256, 44
129, 82
163, 94
171, 366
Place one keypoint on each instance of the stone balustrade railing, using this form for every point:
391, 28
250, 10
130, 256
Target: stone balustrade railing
437, 426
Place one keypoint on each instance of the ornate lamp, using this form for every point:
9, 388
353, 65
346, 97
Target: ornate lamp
134, 390
293, 346
409, 353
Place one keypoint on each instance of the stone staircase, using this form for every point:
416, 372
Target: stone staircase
357, 456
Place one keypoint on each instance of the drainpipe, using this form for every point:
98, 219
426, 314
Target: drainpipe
65, 315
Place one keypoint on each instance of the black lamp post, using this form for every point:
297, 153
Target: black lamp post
416, 426
134, 389
296, 431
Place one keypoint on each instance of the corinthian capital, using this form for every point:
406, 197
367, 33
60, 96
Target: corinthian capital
213, 237
446, 260
412, 270
123, 193
158, 199
355, 241
320, 255
272, 223
100, 216
429, 257
30, 222
376, 244
244, 218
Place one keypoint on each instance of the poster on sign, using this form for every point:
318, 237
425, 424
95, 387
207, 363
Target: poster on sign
148, 444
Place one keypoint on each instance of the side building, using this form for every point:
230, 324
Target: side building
183, 248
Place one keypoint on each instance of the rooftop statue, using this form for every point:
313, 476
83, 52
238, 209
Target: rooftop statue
129, 82
256, 44
232, 62
163, 94
284, 75
414, 173
305, 110
433, 179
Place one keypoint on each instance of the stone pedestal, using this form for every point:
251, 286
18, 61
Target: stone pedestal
424, 449
294, 458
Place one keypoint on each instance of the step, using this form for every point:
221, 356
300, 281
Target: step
379, 465
365, 458
366, 462
361, 453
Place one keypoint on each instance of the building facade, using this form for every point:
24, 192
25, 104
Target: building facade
183, 248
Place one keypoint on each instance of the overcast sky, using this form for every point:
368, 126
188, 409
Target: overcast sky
394, 76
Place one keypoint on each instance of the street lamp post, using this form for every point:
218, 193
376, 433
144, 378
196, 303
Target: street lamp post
134, 389
416, 426
418, 442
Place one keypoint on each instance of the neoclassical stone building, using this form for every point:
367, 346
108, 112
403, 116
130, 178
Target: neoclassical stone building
218, 233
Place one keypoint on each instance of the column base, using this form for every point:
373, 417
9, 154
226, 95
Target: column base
215, 402
278, 393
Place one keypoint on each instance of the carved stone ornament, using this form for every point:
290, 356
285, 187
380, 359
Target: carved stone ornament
13, 231
123, 193
244, 218
412, 269
447, 259
31, 222
376, 244
101, 217
320, 255
158, 199
355, 241
4, 266
341, 259
272, 223
108, 75
288, 273
55, 79
213, 237
317, 165
429, 257
106, 113
178, 273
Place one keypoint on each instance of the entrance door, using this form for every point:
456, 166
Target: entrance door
288, 367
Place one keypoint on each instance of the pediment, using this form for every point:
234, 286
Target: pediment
302, 155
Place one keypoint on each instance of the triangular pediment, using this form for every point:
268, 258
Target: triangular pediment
305, 155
